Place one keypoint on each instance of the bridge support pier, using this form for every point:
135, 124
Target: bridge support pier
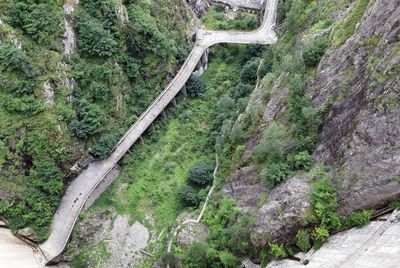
173, 102
184, 91
202, 65
164, 114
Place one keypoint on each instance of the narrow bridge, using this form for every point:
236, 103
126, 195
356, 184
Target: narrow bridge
99, 171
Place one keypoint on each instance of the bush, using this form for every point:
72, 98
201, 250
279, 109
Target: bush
314, 50
320, 235
195, 87
303, 240
201, 173
242, 91
94, 39
196, 256
188, 196
325, 204
278, 251
300, 160
23, 87
168, 259
358, 218
228, 259
89, 121
14, 59
275, 172
271, 147
42, 21
248, 75
105, 145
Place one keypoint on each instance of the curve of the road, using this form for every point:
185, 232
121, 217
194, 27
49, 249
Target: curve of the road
81, 188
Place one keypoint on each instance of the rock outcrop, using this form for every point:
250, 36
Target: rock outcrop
29, 234
192, 232
283, 213
247, 189
360, 137
199, 6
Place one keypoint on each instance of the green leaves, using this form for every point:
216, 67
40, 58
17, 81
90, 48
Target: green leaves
201, 173
43, 22
94, 40
314, 50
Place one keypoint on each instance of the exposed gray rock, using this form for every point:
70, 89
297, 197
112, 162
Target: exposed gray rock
28, 233
283, 213
241, 4
48, 93
360, 137
192, 232
246, 188
199, 6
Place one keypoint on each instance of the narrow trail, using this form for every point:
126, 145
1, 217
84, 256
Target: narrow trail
81, 188
198, 219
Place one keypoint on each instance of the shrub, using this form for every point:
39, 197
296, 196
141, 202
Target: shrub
94, 39
242, 90
275, 172
300, 160
278, 251
196, 256
271, 147
168, 259
248, 75
23, 87
303, 240
228, 259
320, 235
14, 59
99, 91
358, 218
325, 204
201, 173
188, 196
239, 239
89, 121
105, 145
314, 50
42, 21
195, 87
266, 65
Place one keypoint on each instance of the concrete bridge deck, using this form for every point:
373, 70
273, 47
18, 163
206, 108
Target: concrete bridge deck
81, 188
376, 245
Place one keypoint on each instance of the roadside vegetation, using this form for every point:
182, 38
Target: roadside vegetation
218, 17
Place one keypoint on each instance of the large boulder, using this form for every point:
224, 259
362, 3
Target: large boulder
360, 137
192, 232
28, 233
283, 213
247, 189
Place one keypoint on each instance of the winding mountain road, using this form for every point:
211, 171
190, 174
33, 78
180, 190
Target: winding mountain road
81, 188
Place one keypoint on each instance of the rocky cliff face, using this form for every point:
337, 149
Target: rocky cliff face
360, 137
199, 6
359, 84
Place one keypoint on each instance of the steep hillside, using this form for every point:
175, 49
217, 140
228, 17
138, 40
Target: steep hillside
73, 78
322, 127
